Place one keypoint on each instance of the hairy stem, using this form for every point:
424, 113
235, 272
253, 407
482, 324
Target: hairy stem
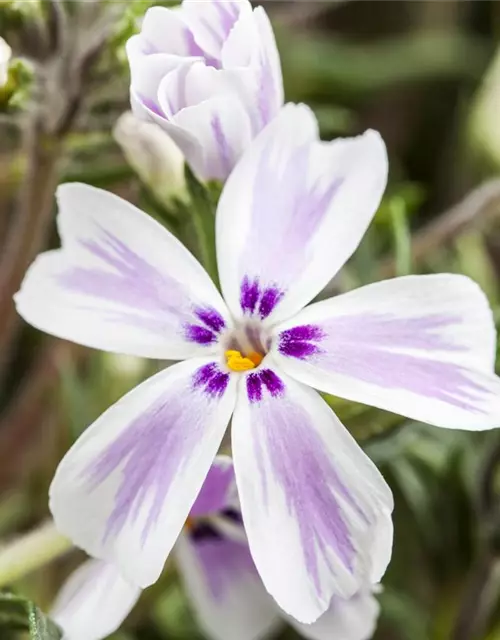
31, 552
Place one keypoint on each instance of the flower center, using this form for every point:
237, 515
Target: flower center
245, 346
236, 362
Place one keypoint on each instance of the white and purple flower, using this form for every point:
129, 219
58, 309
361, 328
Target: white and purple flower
316, 510
209, 73
221, 582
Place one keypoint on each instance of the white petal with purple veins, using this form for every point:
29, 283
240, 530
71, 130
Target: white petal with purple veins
225, 590
212, 21
420, 346
121, 282
204, 104
353, 619
292, 212
310, 497
164, 30
125, 488
251, 50
93, 602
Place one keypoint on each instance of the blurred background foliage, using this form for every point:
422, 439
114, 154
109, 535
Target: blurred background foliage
424, 73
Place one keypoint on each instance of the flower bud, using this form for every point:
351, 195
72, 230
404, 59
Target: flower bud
5, 55
153, 155
209, 74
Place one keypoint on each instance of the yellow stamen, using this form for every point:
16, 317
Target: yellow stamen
236, 362
189, 524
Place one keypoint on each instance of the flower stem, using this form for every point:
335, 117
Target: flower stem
202, 211
30, 552
402, 237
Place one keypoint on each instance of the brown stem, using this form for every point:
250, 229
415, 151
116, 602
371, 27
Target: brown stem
478, 209
30, 228
23, 415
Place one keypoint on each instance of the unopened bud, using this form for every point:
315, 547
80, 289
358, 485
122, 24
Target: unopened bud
153, 155
5, 55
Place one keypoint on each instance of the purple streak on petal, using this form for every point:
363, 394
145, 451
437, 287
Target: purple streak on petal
211, 318
249, 295
151, 105
200, 335
363, 347
313, 490
287, 211
211, 379
149, 298
269, 300
255, 299
228, 15
151, 451
267, 378
273, 383
216, 492
225, 154
233, 515
254, 387
223, 562
298, 342
203, 531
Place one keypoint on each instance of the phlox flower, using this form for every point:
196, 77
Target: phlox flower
221, 582
316, 510
209, 74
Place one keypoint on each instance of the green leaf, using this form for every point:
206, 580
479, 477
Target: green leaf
19, 614
202, 211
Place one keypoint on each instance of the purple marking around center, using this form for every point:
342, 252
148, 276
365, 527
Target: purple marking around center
207, 332
364, 347
264, 379
255, 299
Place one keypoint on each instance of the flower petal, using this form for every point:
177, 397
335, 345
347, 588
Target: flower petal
218, 491
93, 602
211, 22
251, 46
292, 212
310, 498
227, 594
121, 283
203, 104
164, 30
353, 619
125, 488
419, 346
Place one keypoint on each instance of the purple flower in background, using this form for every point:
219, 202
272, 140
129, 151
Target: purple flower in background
316, 510
222, 583
209, 73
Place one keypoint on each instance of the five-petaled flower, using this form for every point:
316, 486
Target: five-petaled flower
221, 582
208, 73
316, 510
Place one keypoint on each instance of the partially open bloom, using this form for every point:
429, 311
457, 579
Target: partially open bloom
153, 155
208, 73
221, 581
5, 55
316, 510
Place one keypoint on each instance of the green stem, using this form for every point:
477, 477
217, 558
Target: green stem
402, 237
30, 552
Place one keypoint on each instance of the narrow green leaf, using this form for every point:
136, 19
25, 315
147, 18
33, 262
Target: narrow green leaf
17, 613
